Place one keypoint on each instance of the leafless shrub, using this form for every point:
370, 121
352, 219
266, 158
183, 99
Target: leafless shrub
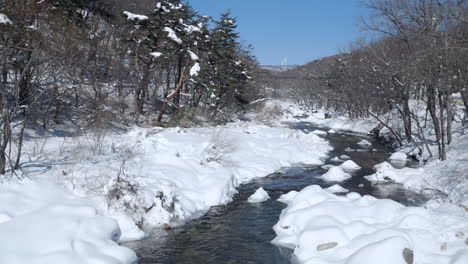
218, 149
269, 114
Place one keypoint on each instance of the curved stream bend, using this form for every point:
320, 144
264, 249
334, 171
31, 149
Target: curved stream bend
241, 232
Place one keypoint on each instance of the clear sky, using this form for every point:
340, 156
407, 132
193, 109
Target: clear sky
301, 30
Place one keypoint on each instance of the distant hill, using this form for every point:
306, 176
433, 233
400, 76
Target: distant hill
278, 68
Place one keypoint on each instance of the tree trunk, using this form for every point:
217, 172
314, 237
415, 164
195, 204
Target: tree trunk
407, 118
171, 96
20, 140
140, 91
431, 106
442, 154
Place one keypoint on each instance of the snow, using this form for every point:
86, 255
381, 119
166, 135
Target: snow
41, 223
317, 117
156, 54
4, 19
324, 228
193, 56
170, 175
131, 16
195, 69
259, 196
172, 35
337, 189
335, 174
336, 159
398, 156
345, 157
449, 177
331, 131
364, 143
319, 132
349, 165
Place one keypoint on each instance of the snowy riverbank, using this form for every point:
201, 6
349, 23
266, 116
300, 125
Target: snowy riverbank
450, 177
146, 177
324, 228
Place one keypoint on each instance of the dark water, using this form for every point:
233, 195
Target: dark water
241, 232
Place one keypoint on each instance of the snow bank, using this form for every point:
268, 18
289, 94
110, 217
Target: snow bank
324, 228
259, 196
168, 176
43, 224
335, 174
324, 118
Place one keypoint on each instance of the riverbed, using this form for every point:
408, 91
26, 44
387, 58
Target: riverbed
240, 232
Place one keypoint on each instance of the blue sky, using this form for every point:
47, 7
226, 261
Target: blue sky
301, 30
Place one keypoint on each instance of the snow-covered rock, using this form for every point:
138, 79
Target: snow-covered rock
259, 196
349, 165
336, 159
324, 228
345, 157
337, 189
364, 143
398, 156
319, 132
336, 174
331, 131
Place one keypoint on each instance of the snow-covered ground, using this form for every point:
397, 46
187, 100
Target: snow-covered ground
45, 224
85, 193
323, 228
449, 177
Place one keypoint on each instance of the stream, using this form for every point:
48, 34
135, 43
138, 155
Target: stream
240, 232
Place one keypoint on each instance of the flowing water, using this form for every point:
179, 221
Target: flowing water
240, 232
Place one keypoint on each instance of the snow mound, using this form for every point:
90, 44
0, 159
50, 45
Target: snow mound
319, 132
345, 157
337, 189
331, 131
364, 143
336, 174
259, 196
349, 165
410, 178
324, 228
337, 159
398, 156
47, 225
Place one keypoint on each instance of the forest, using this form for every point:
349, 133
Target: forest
419, 57
94, 64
